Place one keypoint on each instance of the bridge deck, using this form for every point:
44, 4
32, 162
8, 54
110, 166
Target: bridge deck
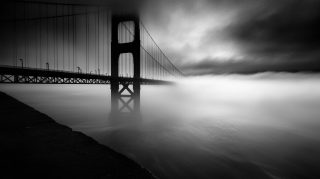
11, 74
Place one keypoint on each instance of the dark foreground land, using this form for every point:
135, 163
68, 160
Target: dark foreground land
35, 146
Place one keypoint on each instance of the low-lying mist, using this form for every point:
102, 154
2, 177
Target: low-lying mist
228, 126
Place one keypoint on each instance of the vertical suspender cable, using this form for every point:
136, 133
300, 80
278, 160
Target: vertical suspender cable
54, 37
145, 61
87, 52
37, 40
74, 36
156, 60
103, 40
63, 29
47, 31
108, 43
68, 37
25, 32
95, 50
15, 37
98, 40
34, 42
159, 62
40, 34
96, 25
147, 65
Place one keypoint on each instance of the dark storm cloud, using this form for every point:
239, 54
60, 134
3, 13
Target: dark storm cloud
288, 26
269, 35
272, 36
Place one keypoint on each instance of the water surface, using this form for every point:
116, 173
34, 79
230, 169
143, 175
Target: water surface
228, 126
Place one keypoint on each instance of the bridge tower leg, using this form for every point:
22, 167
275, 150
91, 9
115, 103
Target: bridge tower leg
119, 100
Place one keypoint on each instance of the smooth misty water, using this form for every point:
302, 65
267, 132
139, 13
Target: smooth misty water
233, 126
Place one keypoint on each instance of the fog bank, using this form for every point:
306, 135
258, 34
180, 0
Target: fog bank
227, 126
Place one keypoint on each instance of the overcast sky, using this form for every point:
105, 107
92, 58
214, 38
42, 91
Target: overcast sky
232, 36
236, 36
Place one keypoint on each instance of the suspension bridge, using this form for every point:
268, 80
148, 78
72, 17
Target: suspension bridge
66, 43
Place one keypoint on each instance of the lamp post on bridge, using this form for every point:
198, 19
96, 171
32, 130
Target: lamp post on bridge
47, 65
79, 69
21, 60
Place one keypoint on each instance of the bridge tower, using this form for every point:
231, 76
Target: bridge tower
125, 92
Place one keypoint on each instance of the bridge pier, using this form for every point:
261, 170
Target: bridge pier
125, 95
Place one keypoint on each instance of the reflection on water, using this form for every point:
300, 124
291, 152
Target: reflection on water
255, 126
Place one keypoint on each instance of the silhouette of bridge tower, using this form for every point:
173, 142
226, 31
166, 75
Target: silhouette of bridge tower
121, 93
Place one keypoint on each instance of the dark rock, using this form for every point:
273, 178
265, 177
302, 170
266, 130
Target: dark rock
34, 146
